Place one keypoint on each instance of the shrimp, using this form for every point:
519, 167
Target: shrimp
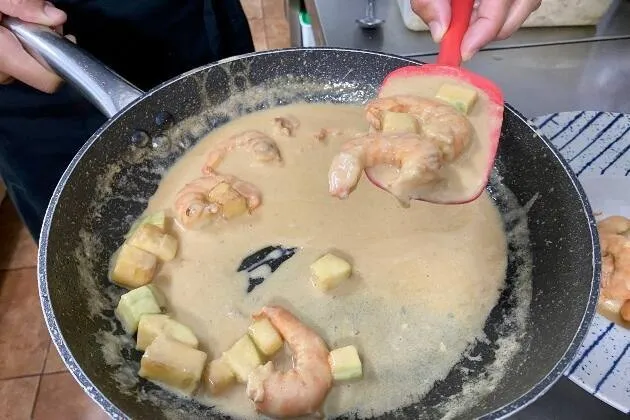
441, 123
264, 148
194, 205
286, 126
418, 160
615, 266
302, 389
617, 225
624, 312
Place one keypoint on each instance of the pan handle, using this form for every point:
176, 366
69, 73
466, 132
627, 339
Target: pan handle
108, 91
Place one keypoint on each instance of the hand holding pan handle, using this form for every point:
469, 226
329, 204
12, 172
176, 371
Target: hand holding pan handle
100, 85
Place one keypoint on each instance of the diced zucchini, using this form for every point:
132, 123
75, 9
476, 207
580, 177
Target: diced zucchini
158, 219
151, 239
329, 271
345, 363
232, 203
152, 325
149, 327
133, 305
265, 337
132, 267
460, 97
398, 122
158, 295
169, 362
219, 376
242, 358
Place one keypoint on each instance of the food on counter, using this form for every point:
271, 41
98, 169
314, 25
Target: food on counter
614, 236
243, 358
219, 376
302, 389
195, 207
345, 363
132, 267
329, 271
152, 325
265, 336
154, 240
462, 98
132, 305
174, 364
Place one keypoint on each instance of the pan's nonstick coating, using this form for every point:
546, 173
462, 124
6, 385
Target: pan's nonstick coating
109, 181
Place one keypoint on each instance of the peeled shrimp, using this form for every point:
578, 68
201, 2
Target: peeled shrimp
193, 206
617, 225
418, 160
302, 389
264, 148
441, 123
615, 266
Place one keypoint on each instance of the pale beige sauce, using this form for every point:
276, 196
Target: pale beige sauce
425, 278
467, 174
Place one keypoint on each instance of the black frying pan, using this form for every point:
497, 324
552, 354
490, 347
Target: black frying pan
109, 181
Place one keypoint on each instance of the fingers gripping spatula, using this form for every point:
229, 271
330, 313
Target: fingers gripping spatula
448, 67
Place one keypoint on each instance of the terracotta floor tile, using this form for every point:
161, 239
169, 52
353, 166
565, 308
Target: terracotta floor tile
17, 397
17, 248
60, 397
257, 28
278, 35
253, 9
53, 361
273, 9
23, 335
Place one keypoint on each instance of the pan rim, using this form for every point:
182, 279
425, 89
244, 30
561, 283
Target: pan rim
535, 392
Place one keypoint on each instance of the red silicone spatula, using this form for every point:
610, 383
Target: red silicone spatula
448, 66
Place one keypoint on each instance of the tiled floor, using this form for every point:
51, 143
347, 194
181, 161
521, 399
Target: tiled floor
34, 382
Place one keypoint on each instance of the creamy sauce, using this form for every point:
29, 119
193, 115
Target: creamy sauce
425, 277
466, 175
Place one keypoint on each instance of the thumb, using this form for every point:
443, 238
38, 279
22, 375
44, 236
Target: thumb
34, 11
435, 13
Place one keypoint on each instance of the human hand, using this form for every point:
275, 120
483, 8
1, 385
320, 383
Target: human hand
15, 61
492, 19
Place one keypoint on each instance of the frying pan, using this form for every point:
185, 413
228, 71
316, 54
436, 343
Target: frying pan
110, 179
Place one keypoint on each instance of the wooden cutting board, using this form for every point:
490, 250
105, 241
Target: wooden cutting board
550, 13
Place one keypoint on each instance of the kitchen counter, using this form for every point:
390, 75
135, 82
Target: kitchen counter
541, 70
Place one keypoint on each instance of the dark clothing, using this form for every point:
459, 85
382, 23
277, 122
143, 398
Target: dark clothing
145, 41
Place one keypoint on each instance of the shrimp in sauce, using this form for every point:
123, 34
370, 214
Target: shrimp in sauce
298, 391
261, 145
439, 122
194, 206
418, 161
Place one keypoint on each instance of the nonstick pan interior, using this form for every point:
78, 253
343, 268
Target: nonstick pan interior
542, 315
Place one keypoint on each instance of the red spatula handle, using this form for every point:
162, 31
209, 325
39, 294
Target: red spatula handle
451, 45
